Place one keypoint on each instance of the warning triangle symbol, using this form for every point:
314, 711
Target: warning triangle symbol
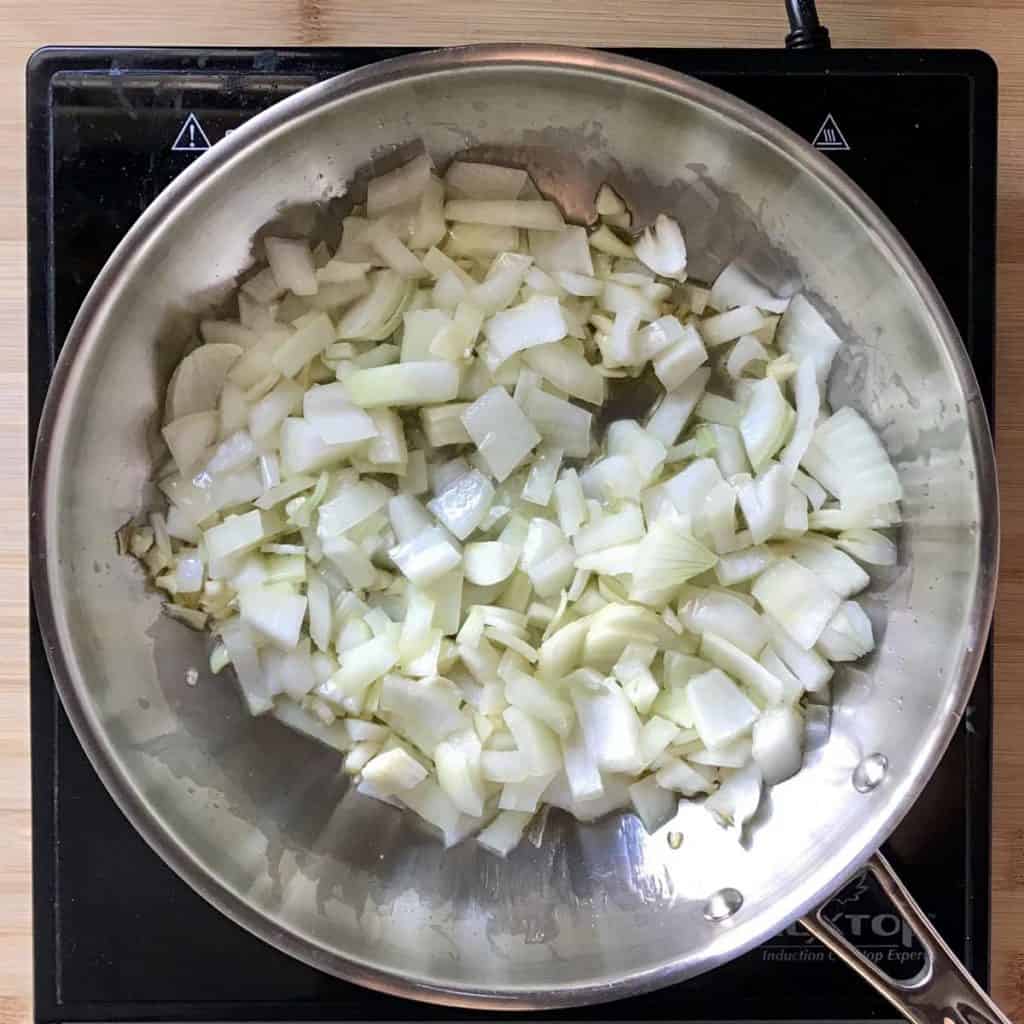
829, 137
191, 138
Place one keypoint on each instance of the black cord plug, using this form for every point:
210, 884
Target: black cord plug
805, 31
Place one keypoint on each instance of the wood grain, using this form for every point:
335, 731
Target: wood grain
996, 26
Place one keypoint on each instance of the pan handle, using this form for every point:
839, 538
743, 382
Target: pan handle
943, 991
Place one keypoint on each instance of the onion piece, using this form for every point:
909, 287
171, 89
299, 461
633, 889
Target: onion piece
846, 457
836, 569
669, 555
334, 417
734, 287
797, 599
868, 546
393, 771
489, 562
738, 798
394, 252
848, 635
680, 777
462, 505
504, 833
479, 240
568, 371
562, 251
198, 379
509, 213
189, 437
559, 422
765, 422
502, 433
609, 723
375, 316
538, 321
763, 501
427, 557
662, 248
308, 341
721, 711
778, 744
292, 265
540, 481
404, 384
803, 332
723, 327
740, 666
726, 615
274, 613
808, 407
484, 181
399, 187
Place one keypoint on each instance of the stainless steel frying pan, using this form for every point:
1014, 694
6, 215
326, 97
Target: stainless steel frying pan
257, 819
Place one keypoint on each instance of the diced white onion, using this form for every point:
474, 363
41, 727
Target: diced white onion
658, 618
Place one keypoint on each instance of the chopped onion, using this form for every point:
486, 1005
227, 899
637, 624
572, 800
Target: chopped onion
678, 776
292, 265
868, 546
393, 771
670, 417
189, 437
765, 422
609, 723
738, 798
274, 613
462, 505
328, 409
502, 835
848, 635
559, 422
847, 458
722, 327
797, 599
564, 251
803, 333
721, 711
669, 555
484, 181
398, 187
501, 432
778, 744
538, 321
568, 371
393, 251
426, 557
308, 341
836, 569
740, 666
454, 350
734, 287
404, 384
718, 612
489, 562
507, 213
662, 248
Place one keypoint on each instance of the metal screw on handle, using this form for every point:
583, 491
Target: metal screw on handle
943, 991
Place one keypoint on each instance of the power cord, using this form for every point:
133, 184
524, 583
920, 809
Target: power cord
806, 32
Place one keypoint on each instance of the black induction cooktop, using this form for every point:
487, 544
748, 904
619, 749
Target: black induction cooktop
118, 936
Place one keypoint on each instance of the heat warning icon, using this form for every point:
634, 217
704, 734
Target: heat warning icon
191, 138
